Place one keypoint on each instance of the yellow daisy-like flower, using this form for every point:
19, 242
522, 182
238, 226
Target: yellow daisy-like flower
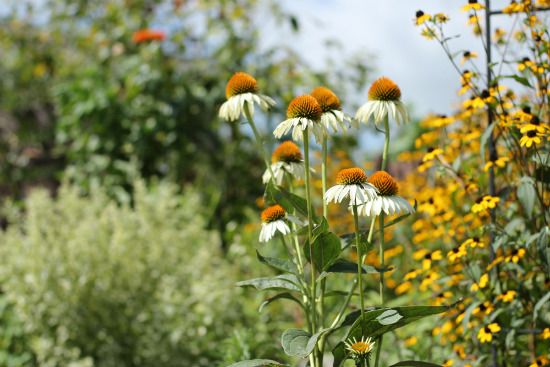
421, 17
485, 334
530, 139
384, 101
474, 242
431, 154
515, 255
332, 117
540, 362
534, 124
499, 162
427, 257
457, 253
546, 333
242, 92
483, 281
507, 296
361, 348
472, 5
303, 112
485, 308
410, 341
447, 363
468, 55
487, 202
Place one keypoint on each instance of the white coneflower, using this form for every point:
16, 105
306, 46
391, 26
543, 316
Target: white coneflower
303, 112
286, 158
359, 349
332, 117
351, 183
387, 199
242, 89
273, 220
384, 100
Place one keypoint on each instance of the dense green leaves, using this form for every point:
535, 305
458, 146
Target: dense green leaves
326, 249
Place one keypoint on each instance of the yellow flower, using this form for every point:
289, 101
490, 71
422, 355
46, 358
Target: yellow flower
540, 361
472, 5
546, 333
427, 257
456, 253
499, 162
515, 255
467, 55
483, 280
431, 154
486, 308
487, 202
421, 17
507, 296
409, 342
447, 363
530, 138
473, 242
441, 18
485, 334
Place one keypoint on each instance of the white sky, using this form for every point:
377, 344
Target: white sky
385, 29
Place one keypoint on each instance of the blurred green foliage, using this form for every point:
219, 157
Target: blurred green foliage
89, 282
79, 95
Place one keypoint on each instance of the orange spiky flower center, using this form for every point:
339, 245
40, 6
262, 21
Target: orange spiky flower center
326, 98
384, 89
360, 347
287, 152
241, 83
351, 176
305, 107
273, 213
384, 182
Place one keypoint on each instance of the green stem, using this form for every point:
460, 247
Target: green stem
259, 141
325, 215
386, 143
381, 253
381, 229
359, 260
310, 235
295, 233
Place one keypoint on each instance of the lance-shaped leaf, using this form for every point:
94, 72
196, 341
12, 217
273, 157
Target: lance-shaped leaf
278, 264
284, 281
285, 295
345, 266
326, 249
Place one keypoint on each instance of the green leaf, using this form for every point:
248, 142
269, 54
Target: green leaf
520, 79
371, 326
295, 342
278, 264
326, 249
289, 201
257, 363
526, 194
415, 364
300, 343
285, 295
541, 302
389, 317
483, 141
345, 266
284, 281
399, 219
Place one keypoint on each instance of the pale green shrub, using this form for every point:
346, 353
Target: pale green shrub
101, 284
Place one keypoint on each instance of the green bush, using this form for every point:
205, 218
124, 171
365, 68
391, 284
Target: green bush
96, 283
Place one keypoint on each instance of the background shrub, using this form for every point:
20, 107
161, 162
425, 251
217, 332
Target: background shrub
96, 283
